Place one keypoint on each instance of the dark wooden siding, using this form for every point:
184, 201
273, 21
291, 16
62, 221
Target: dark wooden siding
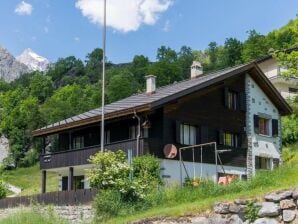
207, 111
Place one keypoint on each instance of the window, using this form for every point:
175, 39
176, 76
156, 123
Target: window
107, 136
187, 134
78, 142
262, 163
232, 100
263, 126
229, 139
146, 133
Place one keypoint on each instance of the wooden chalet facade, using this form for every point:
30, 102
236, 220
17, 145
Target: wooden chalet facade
219, 107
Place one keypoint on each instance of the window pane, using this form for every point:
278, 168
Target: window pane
192, 135
186, 135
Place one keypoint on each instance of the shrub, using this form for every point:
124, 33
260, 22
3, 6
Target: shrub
108, 203
118, 192
3, 189
148, 168
251, 212
29, 159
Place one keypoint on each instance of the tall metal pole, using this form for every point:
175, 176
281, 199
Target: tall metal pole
102, 142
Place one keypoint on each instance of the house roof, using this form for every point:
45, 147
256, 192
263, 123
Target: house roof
143, 102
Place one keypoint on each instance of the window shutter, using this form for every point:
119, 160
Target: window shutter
274, 127
178, 124
256, 124
220, 137
226, 96
242, 101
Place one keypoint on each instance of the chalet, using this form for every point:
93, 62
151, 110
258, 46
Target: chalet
288, 87
231, 119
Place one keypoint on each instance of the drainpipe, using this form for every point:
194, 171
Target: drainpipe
139, 131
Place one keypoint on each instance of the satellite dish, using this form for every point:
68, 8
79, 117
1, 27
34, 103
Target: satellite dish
170, 151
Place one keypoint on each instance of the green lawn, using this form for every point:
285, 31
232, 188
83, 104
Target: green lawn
192, 201
29, 179
32, 217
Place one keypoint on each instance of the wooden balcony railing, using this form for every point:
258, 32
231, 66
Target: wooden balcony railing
81, 156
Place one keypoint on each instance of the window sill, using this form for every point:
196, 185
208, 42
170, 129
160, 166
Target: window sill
266, 136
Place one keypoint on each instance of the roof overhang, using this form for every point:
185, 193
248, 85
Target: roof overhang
96, 119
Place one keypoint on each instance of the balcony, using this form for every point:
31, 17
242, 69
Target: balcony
81, 156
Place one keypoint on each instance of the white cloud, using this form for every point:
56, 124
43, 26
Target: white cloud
124, 15
23, 8
76, 39
167, 26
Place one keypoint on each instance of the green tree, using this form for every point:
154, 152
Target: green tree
66, 71
121, 85
233, 51
139, 68
185, 59
69, 101
288, 61
41, 86
255, 46
167, 68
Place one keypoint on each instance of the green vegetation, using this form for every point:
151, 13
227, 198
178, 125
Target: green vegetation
177, 201
71, 86
123, 189
32, 217
29, 179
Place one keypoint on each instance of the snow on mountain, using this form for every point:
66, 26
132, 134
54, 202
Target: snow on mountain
33, 61
10, 68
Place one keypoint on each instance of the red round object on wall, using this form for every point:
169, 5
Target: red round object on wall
170, 151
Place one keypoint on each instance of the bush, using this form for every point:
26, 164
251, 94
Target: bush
108, 204
3, 189
148, 168
29, 159
118, 192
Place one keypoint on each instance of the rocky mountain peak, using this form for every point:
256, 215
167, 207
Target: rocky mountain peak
33, 61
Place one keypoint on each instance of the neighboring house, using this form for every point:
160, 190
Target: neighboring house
238, 108
288, 87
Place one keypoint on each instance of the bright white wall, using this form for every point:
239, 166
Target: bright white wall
171, 170
270, 67
259, 104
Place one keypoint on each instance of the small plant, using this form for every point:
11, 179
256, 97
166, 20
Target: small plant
3, 189
251, 212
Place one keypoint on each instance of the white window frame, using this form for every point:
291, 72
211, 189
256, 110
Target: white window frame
188, 134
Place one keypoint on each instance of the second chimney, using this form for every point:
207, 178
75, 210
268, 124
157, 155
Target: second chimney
196, 69
150, 84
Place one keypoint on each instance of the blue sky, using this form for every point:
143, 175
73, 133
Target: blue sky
60, 28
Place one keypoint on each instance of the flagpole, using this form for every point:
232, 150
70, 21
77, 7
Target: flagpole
103, 76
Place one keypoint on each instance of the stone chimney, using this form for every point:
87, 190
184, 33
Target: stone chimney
196, 69
150, 84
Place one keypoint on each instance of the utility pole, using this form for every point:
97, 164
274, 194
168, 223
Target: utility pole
102, 142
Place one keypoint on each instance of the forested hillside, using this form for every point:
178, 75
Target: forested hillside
72, 86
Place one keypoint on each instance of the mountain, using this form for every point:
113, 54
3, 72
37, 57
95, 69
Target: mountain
33, 61
10, 68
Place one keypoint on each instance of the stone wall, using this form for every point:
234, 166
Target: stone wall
275, 208
73, 214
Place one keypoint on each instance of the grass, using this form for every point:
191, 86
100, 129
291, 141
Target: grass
32, 217
175, 202
29, 180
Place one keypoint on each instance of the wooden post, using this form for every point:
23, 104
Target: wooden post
70, 179
44, 181
44, 145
